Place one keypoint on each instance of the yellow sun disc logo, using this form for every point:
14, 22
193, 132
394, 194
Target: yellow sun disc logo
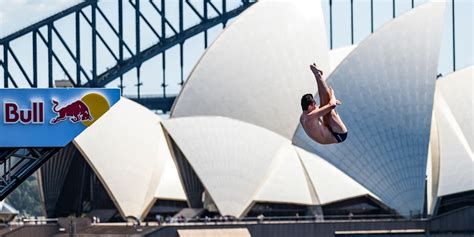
97, 104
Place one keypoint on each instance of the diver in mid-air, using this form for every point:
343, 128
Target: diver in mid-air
322, 123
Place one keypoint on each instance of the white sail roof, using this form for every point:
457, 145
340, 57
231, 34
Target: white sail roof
387, 84
457, 90
454, 116
234, 160
257, 70
330, 183
287, 181
337, 55
127, 150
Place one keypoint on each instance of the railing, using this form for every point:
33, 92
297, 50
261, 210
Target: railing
229, 220
279, 219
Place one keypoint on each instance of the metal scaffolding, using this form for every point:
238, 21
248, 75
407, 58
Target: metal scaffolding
18, 164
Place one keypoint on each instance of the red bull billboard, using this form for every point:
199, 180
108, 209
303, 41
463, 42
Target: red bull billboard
50, 117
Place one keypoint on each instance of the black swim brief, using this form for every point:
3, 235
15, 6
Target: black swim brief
340, 137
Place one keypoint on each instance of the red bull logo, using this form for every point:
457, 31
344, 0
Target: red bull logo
86, 109
76, 111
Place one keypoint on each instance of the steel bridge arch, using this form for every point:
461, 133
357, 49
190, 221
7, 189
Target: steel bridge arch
80, 75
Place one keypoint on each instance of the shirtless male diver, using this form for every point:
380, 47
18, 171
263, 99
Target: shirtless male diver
322, 123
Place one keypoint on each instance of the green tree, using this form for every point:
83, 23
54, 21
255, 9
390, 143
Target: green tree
26, 198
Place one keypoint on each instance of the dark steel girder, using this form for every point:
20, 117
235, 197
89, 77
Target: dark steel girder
17, 164
135, 61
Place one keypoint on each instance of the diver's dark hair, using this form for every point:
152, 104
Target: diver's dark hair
306, 101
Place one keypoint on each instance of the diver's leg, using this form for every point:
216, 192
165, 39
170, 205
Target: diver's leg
324, 91
335, 122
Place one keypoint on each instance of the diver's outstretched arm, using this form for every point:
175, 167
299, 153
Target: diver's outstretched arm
322, 111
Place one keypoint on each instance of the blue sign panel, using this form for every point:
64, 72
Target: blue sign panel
50, 117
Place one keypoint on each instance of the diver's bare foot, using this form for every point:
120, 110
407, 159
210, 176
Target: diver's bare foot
315, 70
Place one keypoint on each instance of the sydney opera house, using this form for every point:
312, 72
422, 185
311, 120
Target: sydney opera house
233, 145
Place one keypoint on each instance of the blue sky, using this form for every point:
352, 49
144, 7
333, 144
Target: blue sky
16, 14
